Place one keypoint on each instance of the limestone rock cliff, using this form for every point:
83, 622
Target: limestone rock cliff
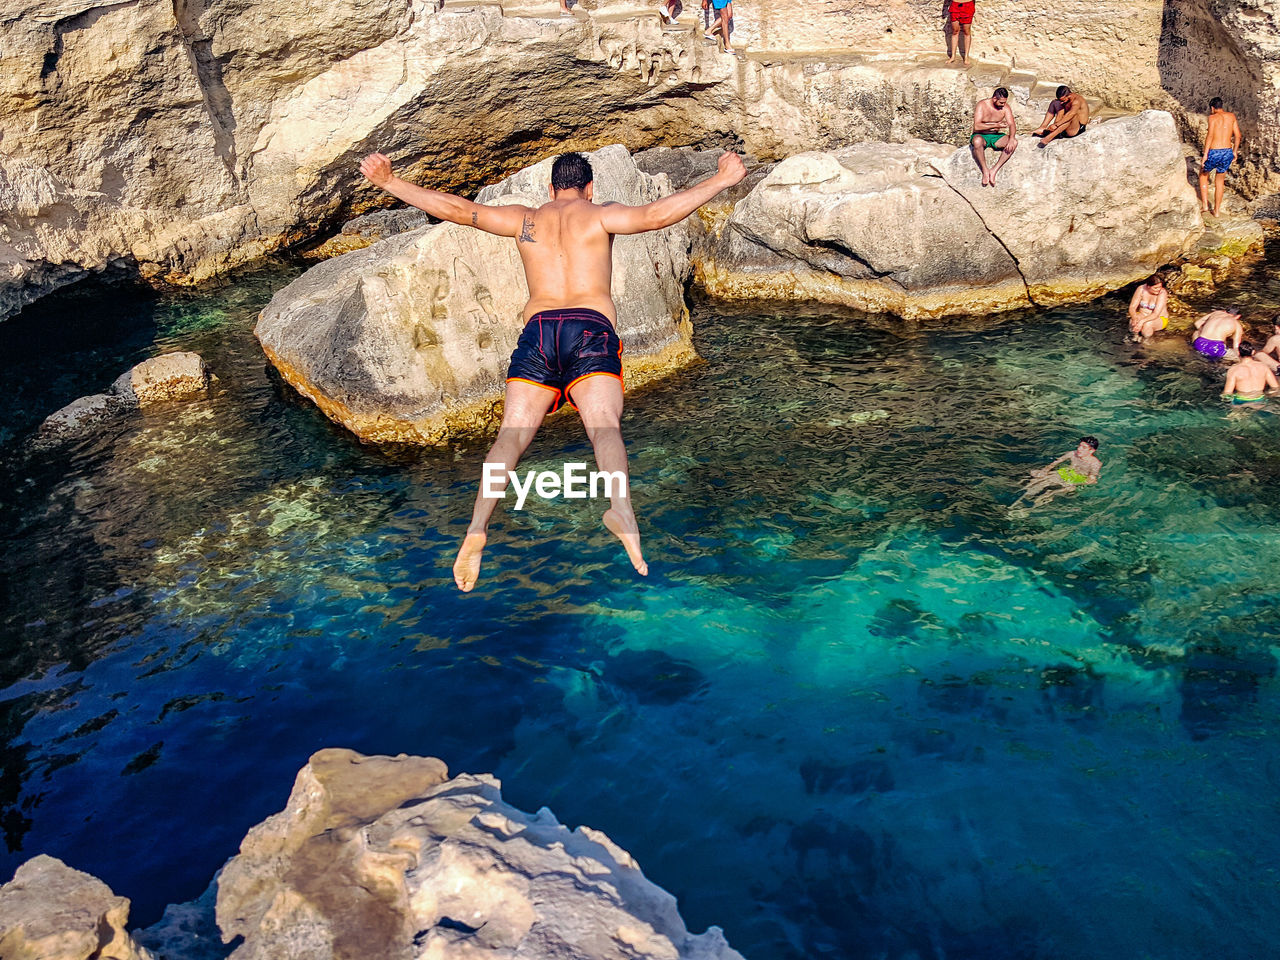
388, 857
909, 229
49, 911
173, 140
408, 340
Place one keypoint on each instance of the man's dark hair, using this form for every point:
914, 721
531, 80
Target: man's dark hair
1091, 441
1275, 320
571, 171
1001, 92
1154, 279
1215, 103
1062, 91
1245, 350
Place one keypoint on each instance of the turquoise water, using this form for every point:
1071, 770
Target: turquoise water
858, 709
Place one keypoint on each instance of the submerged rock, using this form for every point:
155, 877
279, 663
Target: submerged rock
409, 339
388, 857
168, 377
909, 229
49, 911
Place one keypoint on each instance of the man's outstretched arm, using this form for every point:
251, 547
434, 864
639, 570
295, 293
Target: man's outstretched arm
504, 221
619, 218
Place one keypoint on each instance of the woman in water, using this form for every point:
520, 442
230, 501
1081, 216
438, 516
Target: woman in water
1149, 308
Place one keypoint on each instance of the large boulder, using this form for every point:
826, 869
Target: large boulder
388, 857
408, 340
49, 911
909, 228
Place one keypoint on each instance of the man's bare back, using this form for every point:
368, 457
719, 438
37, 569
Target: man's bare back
1248, 379
1223, 132
568, 257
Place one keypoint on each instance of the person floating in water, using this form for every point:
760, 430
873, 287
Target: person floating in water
1077, 468
1149, 308
1067, 116
1212, 332
995, 127
1248, 379
1221, 143
569, 349
960, 22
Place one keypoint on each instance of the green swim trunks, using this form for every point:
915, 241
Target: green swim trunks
1071, 475
1239, 398
991, 138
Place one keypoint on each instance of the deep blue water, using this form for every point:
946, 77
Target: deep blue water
858, 709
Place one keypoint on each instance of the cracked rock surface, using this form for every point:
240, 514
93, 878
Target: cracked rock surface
909, 228
388, 857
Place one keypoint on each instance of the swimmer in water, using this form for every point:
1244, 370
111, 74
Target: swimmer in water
1149, 308
1248, 380
1077, 468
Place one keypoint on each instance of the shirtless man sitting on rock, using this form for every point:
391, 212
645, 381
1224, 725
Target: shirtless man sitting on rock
1067, 116
1212, 332
1270, 352
1248, 379
995, 127
569, 349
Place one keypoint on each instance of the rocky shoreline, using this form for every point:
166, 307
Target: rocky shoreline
208, 136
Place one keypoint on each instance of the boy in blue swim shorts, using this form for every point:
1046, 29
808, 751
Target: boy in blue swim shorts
1220, 145
724, 22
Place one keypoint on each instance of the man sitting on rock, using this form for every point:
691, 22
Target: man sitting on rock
1248, 379
1270, 352
995, 127
569, 349
1213, 330
1067, 116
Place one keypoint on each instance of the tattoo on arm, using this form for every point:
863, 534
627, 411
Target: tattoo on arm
526, 231
475, 218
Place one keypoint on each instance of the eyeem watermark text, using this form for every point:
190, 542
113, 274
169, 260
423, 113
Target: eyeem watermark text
574, 483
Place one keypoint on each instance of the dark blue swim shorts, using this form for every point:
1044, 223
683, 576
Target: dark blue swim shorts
558, 348
1218, 161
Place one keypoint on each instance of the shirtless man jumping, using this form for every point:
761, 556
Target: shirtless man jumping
1067, 116
1220, 145
995, 127
1212, 331
569, 349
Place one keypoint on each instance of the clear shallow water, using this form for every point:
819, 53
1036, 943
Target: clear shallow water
859, 709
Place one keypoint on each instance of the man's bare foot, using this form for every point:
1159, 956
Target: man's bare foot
965, 62
986, 179
466, 569
951, 59
630, 538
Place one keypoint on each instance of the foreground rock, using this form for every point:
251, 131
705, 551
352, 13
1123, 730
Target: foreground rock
909, 229
409, 339
50, 912
163, 379
389, 858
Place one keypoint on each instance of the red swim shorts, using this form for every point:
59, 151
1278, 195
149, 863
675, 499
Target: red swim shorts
962, 12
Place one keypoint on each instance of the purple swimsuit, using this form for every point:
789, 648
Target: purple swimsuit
1213, 349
